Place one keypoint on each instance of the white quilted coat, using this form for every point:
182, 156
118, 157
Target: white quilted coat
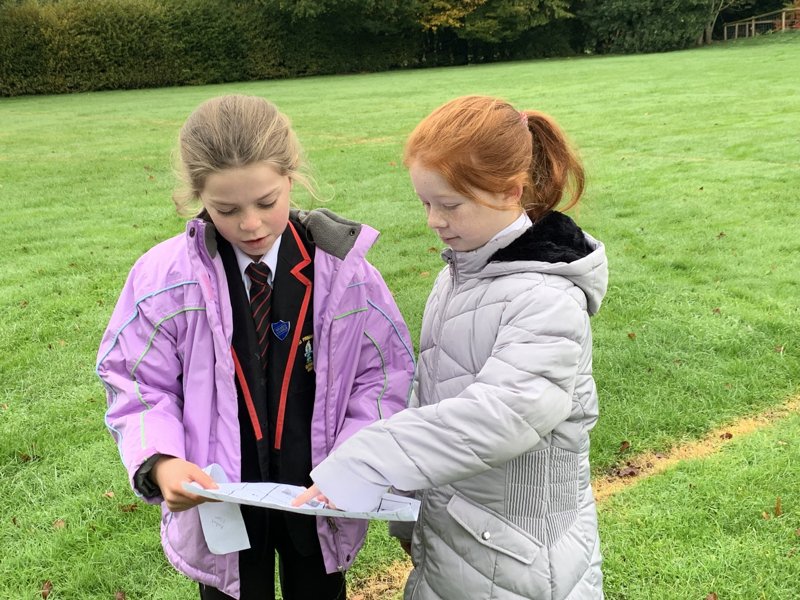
498, 441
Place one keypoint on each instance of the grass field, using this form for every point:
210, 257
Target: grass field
693, 163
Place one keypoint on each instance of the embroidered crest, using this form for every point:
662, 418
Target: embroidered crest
308, 352
281, 329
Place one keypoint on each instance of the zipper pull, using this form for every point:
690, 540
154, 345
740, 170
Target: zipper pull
332, 524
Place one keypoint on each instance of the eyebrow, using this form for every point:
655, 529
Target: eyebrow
269, 194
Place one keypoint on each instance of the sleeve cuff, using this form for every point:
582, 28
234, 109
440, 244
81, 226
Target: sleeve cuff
142, 481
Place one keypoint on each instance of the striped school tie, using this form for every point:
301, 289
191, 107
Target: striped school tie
260, 294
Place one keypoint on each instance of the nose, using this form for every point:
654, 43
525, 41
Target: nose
250, 221
435, 220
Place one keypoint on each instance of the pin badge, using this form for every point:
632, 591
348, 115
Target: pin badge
281, 329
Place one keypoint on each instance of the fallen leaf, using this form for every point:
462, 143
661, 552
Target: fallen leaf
108, 494
433, 249
712, 596
721, 235
14, 522
24, 457
127, 508
778, 509
59, 524
47, 587
23, 304
779, 349
624, 446
716, 310
791, 552
631, 336
151, 178
425, 274
797, 532
726, 436
765, 516
392, 163
4, 406
120, 595
627, 471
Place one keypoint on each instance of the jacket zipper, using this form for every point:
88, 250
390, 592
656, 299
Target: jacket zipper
335, 530
421, 565
328, 445
436, 342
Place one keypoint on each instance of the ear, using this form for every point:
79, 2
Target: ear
513, 195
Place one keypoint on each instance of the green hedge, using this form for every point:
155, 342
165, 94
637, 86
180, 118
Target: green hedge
74, 45
58, 46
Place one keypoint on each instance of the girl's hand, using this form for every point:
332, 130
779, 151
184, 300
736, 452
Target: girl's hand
170, 472
313, 493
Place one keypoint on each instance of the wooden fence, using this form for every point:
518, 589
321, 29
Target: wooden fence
778, 20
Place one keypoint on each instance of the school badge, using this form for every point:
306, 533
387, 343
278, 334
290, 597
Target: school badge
281, 329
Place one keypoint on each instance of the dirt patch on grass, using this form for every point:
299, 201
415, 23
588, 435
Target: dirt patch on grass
644, 465
385, 585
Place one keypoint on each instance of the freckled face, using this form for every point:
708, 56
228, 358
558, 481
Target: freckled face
460, 222
249, 206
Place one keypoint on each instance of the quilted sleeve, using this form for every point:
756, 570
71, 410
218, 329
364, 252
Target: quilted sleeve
521, 393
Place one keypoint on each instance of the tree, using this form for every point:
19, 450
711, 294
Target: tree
489, 21
376, 16
715, 8
641, 25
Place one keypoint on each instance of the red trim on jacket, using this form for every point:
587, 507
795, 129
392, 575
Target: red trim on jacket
248, 399
301, 317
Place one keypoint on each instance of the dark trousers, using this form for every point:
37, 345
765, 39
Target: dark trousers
302, 577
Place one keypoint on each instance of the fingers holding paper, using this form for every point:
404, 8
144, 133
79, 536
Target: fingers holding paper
169, 473
313, 493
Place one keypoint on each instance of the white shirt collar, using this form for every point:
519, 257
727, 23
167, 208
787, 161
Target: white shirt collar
270, 259
522, 222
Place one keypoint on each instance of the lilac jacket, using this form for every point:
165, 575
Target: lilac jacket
166, 364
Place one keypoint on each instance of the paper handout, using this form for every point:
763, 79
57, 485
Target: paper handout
280, 495
223, 526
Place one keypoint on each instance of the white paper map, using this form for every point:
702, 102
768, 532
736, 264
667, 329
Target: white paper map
223, 526
280, 495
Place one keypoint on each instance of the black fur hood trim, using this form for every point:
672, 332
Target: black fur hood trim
555, 238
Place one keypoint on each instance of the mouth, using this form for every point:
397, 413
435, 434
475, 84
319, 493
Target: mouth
256, 241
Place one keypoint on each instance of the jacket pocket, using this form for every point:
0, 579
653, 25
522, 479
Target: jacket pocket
492, 531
